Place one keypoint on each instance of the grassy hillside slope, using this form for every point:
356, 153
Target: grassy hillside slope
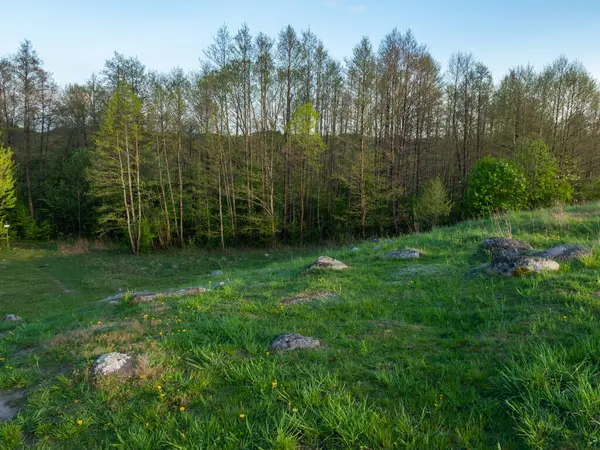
421, 353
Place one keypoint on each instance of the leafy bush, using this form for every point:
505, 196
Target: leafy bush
545, 186
433, 204
494, 185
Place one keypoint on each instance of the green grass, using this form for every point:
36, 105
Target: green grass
417, 354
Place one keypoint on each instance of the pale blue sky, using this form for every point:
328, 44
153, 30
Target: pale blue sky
75, 37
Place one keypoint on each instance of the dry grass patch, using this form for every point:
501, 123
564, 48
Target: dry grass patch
308, 296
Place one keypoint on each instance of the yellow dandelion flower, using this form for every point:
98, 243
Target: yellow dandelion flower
75, 401
162, 395
565, 317
274, 384
295, 410
289, 403
242, 416
145, 316
182, 408
80, 422
99, 322
159, 387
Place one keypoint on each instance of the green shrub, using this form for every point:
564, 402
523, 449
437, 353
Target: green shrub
545, 186
494, 185
433, 204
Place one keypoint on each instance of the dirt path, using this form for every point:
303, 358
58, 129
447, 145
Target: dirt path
58, 282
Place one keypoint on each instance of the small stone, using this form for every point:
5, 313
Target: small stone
354, 249
326, 262
216, 273
113, 363
502, 243
404, 254
11, 318
566, 252
522, 265
294, 341
377, 248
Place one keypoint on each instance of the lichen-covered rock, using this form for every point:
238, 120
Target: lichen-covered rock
407, 253
294, 341
566, 252
306, 297
113, 364
11, 318
326, 262
502, 243
521, 265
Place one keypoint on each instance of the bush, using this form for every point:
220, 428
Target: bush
494, 185
545, 186
433, 204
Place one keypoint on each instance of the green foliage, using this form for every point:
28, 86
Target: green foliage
26, 227
433, 204
545, 186
66, 194
7, 181
494, 185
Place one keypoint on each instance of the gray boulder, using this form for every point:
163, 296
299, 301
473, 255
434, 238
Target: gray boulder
566, 252
11, 318
294, 341
113, 364
506, 244
216, 273
407, 253
521, 265
326, 262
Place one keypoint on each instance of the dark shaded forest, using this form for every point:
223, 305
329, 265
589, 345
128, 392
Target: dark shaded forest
274, 141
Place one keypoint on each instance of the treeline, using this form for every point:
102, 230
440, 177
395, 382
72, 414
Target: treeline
274, 140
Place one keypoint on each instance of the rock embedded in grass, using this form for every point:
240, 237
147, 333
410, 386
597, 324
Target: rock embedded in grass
502, 243
149, 296
407, 253
327, 262
8, 401
11, 318
566, 252
294, 341
113, 364
216, 273
306, 297
522, 265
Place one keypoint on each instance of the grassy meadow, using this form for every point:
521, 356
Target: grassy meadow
418, 354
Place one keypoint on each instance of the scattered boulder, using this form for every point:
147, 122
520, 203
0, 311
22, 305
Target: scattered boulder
521, 265
407, 253
11, 318
326, 262
294, 341
216, 273
507, 244
113, 364
306, 297
566, 252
